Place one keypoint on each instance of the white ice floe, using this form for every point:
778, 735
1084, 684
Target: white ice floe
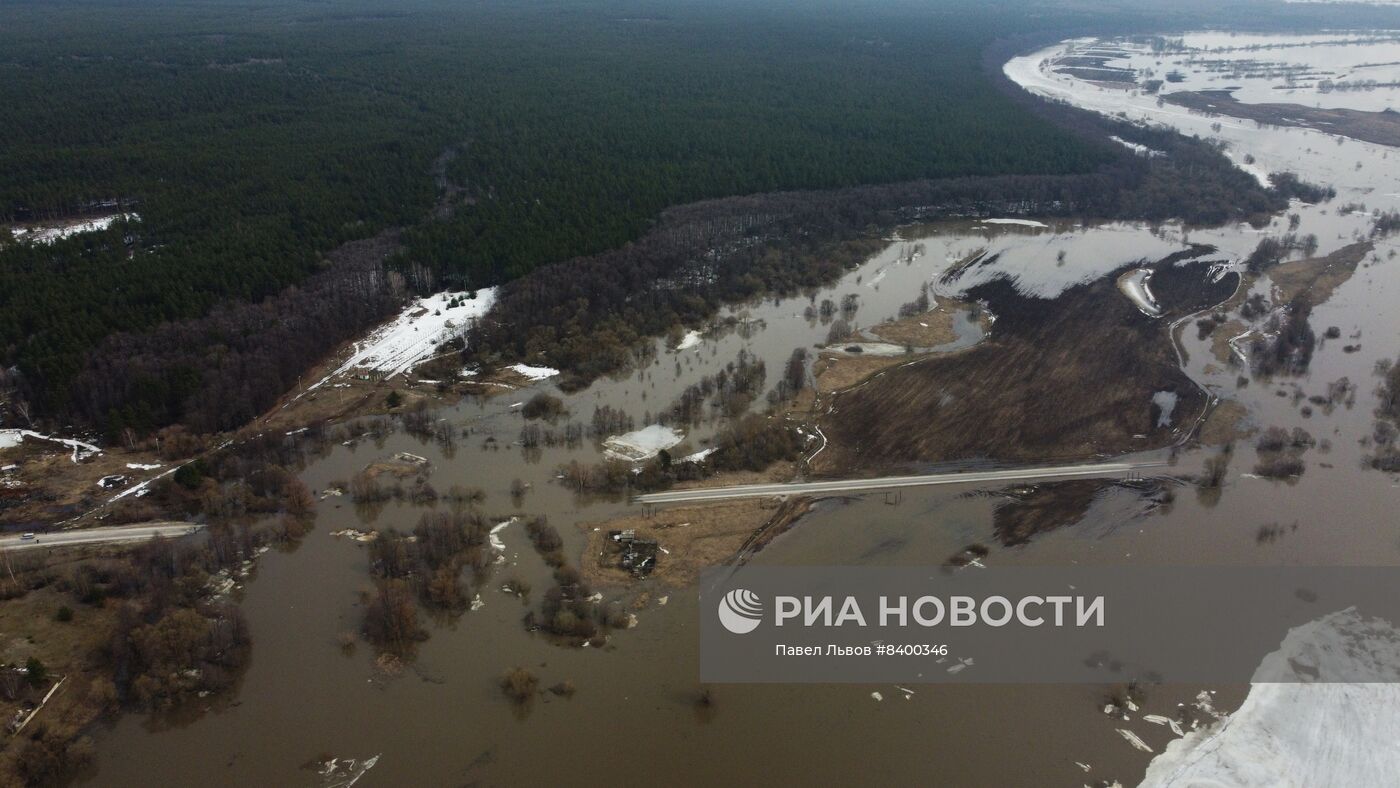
870, 348
534, 373
642, 444
345, 772
494, 535
1157, 719
410, 338
12, 438
690, 340
1021, 222
356, 535
47, 234
1134, 739
1304, 732
962, 664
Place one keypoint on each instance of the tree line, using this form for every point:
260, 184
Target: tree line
586, 315
251, 145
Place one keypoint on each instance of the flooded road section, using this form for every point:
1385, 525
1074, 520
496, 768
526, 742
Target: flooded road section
440, 719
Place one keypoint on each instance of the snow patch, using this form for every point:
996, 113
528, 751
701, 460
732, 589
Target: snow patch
1134, 285
535, 374
410, 338
1166, 405
1139, 149
699, 456
47, 234
12, 438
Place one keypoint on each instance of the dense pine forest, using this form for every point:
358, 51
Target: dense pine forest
253, 139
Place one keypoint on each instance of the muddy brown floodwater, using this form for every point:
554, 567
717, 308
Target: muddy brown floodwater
634, 717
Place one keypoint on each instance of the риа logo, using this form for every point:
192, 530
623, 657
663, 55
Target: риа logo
740, 611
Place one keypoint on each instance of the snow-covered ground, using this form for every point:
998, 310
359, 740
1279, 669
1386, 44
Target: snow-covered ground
11, 438
411, 338
534, 373
642, 444
1305, 733
47, 234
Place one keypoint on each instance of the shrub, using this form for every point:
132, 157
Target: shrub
35, 671
519, 684
190, 474
391, 616
1281, 467
543, 406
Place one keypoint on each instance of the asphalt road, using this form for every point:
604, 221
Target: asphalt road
1085, 471
126, 533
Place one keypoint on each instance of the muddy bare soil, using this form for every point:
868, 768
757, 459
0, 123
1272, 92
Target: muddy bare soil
1382, 128
1063, 379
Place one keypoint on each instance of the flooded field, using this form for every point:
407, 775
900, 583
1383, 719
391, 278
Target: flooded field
636, 713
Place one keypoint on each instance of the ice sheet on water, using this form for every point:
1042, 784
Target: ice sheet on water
1305, 732
642, 444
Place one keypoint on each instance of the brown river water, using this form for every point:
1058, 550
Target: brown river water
633, 720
